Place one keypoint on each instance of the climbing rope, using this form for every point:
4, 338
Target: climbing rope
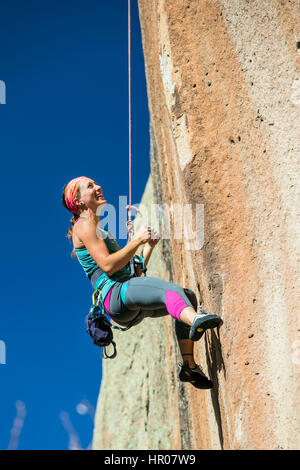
130, 207
129, 224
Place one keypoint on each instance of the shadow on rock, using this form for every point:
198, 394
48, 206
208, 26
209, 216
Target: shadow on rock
215, 364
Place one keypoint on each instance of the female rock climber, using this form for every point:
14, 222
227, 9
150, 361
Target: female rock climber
132, 300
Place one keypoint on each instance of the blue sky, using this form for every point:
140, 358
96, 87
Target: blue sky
66, 114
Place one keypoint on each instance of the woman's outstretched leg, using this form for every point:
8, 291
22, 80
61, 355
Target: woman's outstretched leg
182, 331
190, 371
152, 293
186, 347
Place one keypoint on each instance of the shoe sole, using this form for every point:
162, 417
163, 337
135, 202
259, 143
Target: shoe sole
207, 324
202, 386
199, 387
207, 386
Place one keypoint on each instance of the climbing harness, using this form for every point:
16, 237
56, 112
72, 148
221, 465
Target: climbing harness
97, 324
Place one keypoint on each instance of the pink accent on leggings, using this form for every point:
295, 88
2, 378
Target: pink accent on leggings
174, 304
107, 300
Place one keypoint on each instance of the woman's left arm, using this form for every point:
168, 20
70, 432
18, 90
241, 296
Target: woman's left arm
147, 252
149, 246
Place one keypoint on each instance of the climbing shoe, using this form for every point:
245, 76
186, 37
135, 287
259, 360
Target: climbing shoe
195, 376
202, 322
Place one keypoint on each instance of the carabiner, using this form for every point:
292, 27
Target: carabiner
106, 356
96, 303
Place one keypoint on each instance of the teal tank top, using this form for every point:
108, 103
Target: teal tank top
105, 282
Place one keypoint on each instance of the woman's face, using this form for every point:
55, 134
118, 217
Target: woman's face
91, 194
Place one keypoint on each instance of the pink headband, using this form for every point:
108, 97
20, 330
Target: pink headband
71, 193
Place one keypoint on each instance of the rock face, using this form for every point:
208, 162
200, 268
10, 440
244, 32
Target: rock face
224, 97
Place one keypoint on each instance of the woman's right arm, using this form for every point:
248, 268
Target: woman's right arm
110, 263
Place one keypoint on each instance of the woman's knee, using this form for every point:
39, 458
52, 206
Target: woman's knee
192, 297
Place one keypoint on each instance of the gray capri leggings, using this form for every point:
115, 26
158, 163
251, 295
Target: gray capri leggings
149, 297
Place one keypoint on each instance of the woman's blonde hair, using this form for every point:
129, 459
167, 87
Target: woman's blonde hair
73, 218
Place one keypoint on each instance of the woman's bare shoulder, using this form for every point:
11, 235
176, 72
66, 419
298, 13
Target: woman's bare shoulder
77, 243
80, 225
85, 228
